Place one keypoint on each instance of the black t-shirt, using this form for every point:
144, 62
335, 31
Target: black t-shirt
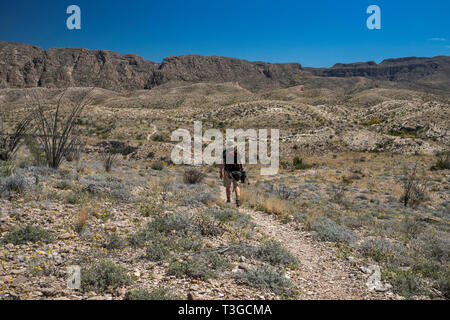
236, 164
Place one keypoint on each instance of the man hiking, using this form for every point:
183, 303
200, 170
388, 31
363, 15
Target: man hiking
231, 171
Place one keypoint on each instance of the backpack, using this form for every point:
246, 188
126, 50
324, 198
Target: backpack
236, 165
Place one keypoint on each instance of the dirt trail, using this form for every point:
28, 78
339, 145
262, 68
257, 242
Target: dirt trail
322, 275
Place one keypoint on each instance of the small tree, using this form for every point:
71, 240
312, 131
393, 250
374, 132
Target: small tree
56, 125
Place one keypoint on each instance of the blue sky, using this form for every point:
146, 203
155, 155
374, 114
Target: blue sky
316, 33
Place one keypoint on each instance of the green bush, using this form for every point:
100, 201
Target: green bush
150, 209
383, 250
443, 285
114, 241
30, 233
158, 138
104, 276
178, 222
443, 162
156, 294
230, 215
63, 185
327, 230
203, 266
224, 215
433, 245
157, 165
267, 279
299, 165
406, 283
6, 169
275, 254
158, 249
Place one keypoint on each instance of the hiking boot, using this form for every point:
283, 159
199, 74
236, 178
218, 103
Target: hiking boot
228, 201
238, 203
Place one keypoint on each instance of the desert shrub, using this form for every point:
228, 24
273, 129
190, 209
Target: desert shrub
149, 209
114, 241
285, 193
204, 266
443, 161
137, 239
158, 249
193, 176
383, 250
80, 220
6, 169
299, 217
433, 245
338, 195
170, 233
108, 159
327, 230
298, 164
63, 185
15, 183
244, 221
157, 165
414, 191
224, 215
157, 138
411, 227
178, 222
155, 294
443, 285
103, 276
267, 279
243, 249
429, 268
406, 283
73, 153
30, 233
36, 151
276, 254
202, 198
121, 194
237, 218
116, 147
209, 226
73, 198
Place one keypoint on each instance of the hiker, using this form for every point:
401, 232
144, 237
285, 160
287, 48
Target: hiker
232, 172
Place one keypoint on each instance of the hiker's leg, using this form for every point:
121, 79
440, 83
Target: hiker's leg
238, 195
227, 184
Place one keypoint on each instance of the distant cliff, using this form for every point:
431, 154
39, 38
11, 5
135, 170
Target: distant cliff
23, 65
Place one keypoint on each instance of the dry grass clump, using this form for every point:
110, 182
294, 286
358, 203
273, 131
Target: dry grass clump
267, 203
80, 219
